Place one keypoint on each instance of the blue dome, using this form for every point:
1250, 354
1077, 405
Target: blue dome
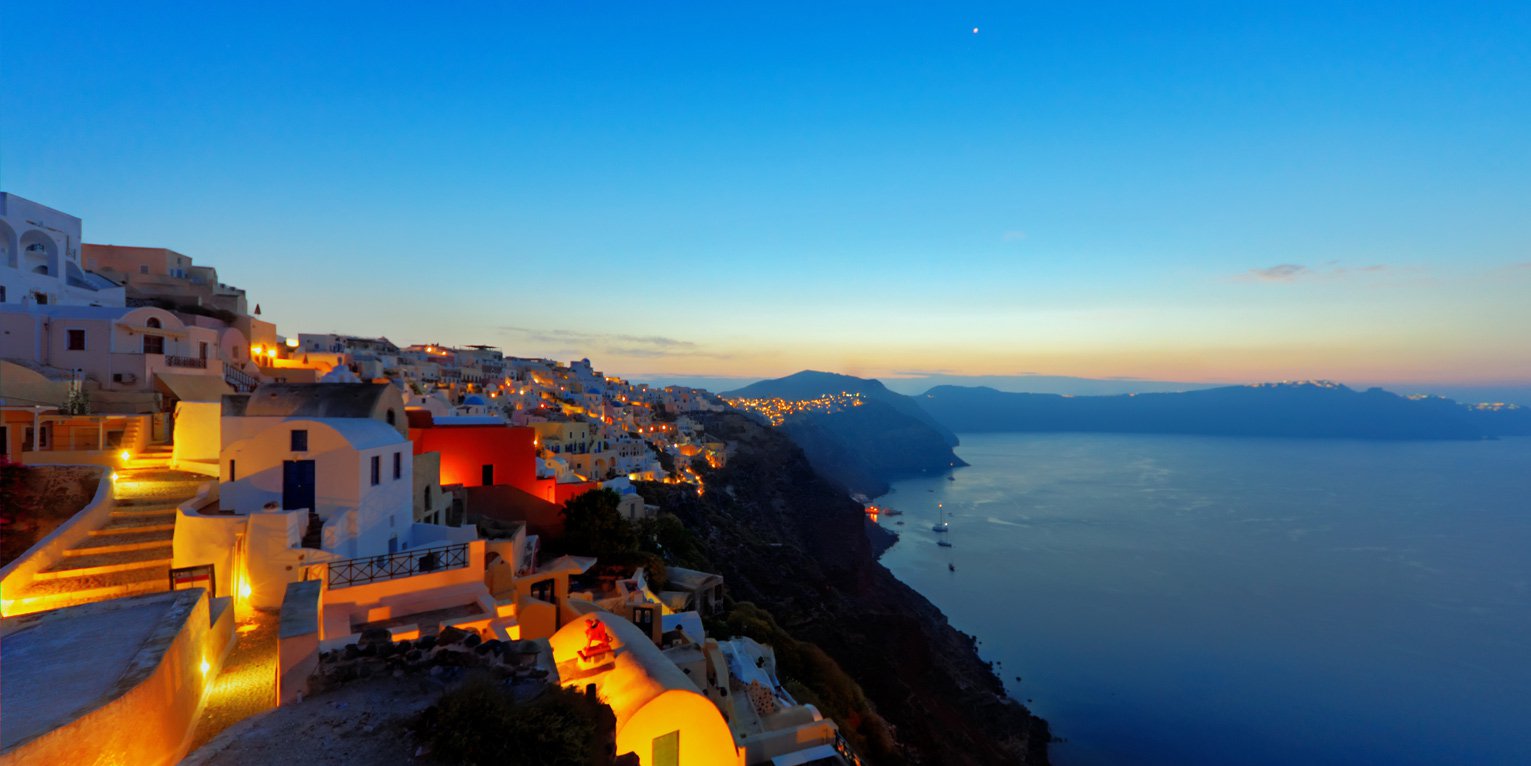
475, 399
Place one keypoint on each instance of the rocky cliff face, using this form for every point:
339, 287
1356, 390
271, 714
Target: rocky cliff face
789, 541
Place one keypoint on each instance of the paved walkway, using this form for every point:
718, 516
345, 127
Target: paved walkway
247, 684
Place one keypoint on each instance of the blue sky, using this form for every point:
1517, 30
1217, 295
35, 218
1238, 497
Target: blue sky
1180, 191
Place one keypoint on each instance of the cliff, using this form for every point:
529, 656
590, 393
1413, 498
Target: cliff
788, 541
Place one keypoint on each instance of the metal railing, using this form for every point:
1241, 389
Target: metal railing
389, 566
238, 379
186, 361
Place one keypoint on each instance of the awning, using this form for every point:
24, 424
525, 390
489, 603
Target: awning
192, 388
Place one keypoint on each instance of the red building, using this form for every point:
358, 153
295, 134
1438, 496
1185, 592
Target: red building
488, 455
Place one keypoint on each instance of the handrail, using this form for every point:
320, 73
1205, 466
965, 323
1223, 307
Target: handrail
360, 571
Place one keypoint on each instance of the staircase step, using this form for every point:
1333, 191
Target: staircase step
73, 567
145, 507
121, 540
56, 594
136, 523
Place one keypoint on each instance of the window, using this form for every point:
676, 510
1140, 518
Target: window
2, 293
153, 323
42, 298
143, 269
487, 476
398, 465
202, 350
377, 470
392, 418
233, 472
300, 440
667, 749
154, 344
76, 340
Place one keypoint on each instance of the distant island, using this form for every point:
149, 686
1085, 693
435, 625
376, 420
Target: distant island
1315, 409
855, 431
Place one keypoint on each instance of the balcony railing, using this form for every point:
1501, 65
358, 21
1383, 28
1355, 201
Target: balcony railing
238, 379
348, 572
196, 362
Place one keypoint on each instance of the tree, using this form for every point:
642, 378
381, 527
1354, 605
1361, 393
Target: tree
594, 527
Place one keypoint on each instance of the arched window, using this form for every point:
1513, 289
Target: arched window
153, 323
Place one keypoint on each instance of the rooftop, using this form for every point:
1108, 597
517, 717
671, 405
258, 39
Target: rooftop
58, 665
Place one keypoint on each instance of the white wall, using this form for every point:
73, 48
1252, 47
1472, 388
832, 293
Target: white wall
359, 517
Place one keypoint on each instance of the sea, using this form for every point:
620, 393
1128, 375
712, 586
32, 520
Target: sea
1209, 600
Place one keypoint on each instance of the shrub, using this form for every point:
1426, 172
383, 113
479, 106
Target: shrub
478, 724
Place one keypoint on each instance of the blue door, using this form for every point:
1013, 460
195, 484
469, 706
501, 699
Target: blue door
297, 484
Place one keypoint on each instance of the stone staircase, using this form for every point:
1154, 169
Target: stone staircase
130, 554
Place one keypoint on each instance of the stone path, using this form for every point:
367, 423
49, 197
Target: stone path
247, 683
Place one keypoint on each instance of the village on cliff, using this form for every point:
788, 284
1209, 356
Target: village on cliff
242, 518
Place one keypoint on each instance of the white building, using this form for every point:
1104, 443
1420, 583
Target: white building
40, 259
340, 450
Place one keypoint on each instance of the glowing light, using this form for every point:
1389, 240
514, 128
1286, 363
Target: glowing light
271, 351
292, 342
115, 476
125, 455
244, 590
206, 666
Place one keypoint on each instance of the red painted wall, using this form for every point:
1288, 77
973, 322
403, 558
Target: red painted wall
465, 450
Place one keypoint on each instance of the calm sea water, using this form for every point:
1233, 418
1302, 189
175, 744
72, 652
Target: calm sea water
1188, 600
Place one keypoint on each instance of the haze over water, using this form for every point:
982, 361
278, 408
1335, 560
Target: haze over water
1182, 600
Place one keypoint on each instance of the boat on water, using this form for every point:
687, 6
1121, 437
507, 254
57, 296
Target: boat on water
944, 543
942, 525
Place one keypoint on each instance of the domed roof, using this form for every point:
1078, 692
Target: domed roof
475, 399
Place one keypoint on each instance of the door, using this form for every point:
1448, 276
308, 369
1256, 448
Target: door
488, 475
297, 484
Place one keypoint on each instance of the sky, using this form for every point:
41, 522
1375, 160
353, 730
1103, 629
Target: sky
1168, 191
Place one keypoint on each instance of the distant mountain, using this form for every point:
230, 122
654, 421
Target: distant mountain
1045, 384
1314, 409
862, 448
810, 384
